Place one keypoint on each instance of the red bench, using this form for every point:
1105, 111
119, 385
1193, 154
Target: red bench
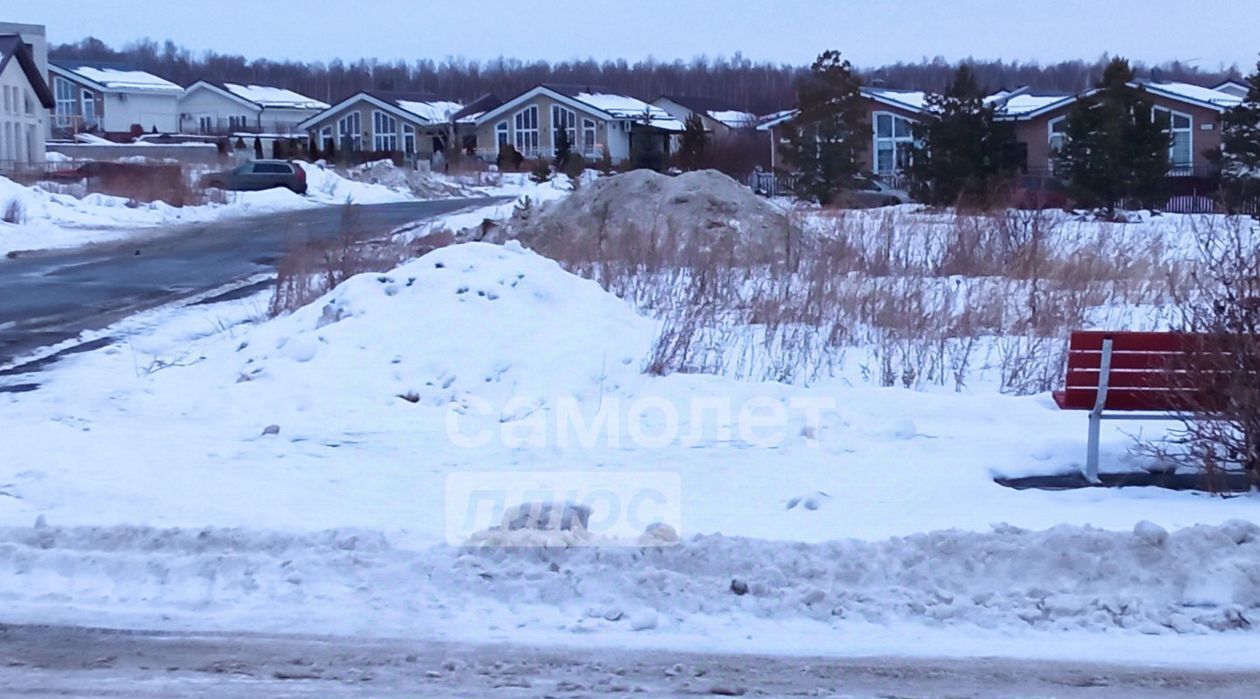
1139, 375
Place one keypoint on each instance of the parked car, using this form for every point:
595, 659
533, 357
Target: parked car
1039, 192
259, 174
866, 192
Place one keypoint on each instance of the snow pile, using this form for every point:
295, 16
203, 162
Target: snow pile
418, 183
640, 210
1198, 581
326, 185
469, 320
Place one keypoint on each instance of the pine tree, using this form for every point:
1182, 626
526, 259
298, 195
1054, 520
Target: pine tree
963, 152
1115, 148
830, 131
1239, 155
691, 145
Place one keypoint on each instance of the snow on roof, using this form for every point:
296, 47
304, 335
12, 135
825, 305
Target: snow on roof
772, 120
913, 100
733, 118
625, 107
1194, 92
267, 96
436, 111
1024, 103
125, 80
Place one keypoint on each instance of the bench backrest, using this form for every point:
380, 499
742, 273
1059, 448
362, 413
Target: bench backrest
1149, 371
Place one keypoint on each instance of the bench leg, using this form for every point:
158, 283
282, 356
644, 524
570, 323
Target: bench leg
1091, 457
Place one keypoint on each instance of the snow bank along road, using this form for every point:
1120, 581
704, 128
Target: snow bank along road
53, 296
58, 661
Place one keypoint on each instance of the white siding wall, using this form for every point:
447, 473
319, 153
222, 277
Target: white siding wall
149, 111
23, 120
208, 103
285, 120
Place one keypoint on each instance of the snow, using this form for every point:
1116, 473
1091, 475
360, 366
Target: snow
436, 112
910, 99
734, 118
274, 97
1022, 104
1195, 92
873, 527
53, 220
625, 107
127, 80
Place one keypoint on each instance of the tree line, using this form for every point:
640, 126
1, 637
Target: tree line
757, 86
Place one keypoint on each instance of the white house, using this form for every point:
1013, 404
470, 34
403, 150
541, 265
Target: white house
24, 104
224, 108
594, 121
111, 100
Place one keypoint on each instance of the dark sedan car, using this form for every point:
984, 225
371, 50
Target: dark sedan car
257, 175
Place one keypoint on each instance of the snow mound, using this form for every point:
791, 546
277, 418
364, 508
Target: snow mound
495, 322
695, 212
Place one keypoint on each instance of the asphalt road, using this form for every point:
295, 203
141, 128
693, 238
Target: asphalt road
69, 661
49, 297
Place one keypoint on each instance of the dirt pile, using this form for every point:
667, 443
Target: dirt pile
645, 215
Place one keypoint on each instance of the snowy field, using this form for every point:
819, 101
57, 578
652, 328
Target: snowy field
216, 470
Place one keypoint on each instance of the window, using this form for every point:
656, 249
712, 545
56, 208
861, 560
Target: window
205, 124
89, 108
409, 139
1057, 134
67, 101
893, 143
237, 123
588, 136
384, 132
350, 131
8, 99
326, 139
1180, 127
526, 134
501, 134
562, 118
273, 169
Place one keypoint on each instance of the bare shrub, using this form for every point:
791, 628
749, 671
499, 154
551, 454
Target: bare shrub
313, 268
14, 212
1218, 377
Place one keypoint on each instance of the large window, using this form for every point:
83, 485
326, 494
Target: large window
526, 135
588, 137
562, 118
1180, 127
893, 143
384, 132
67, 106
350, 131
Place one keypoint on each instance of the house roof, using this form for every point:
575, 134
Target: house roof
417, 107
1233, 87
476, 108
1025, 105
592, 101
717, 109
769, 121
911, 100
1194, 94
273, 97
116, 78
13, 47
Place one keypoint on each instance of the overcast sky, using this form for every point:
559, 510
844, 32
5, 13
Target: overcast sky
869, 32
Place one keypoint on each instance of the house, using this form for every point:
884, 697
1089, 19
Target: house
1191, 114
890, 115
719, 117
226, 108
595, 121
24, 103
1233, 87
414, 124
118, 102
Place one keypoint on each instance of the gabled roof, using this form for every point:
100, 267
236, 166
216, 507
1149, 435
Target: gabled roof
1192, 94
266, 96
476, 108
910, 100
1233, 87
110, 77
769, 121
417, 107
603, 105
13, 47
719, 110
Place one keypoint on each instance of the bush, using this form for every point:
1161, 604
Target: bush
509, 158
540, 170
575, 166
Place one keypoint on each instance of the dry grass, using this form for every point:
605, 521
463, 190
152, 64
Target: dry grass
921, 299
